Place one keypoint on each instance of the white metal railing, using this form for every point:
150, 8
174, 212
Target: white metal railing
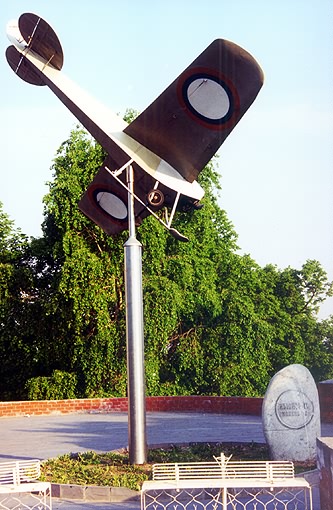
20, 488
265, 470
224, 485
21, 471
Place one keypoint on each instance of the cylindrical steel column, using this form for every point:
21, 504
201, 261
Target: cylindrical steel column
134, 338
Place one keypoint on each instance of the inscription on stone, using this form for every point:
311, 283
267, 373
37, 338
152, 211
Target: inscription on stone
294, 409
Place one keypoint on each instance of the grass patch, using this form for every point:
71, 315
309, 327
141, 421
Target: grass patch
90, 468
113, 469
197, 452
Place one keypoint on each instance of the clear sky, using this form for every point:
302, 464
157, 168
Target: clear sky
277, 164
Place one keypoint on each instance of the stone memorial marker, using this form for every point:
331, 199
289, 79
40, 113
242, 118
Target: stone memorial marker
291, 415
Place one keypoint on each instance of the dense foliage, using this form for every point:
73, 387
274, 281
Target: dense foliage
215, 321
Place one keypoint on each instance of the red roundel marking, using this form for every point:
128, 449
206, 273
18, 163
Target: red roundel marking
208, 97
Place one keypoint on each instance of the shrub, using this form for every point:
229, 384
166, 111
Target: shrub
59, 386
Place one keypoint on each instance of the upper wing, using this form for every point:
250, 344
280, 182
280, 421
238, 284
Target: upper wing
190, 120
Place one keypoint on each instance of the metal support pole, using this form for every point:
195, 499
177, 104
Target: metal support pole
134, 337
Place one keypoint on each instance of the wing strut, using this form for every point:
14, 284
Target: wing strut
174, 232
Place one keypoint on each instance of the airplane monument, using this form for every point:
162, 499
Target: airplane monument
151, 163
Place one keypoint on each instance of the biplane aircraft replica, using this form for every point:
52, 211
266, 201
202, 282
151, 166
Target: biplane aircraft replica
167, 145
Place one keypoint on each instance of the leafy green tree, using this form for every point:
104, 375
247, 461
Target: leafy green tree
88, 290
299, 294
182, 292
16, 296
215, 321
180, 283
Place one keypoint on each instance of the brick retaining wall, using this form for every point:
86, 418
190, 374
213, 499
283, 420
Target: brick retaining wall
204, 404
227, 405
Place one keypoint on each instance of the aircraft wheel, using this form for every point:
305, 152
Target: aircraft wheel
155, 198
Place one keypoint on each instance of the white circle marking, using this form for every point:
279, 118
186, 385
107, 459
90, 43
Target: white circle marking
112, 204
208, 98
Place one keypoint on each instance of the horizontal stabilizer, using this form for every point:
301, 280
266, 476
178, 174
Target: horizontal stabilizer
22, 67
42, 39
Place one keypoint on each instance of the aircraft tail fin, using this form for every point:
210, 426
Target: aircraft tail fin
32, 34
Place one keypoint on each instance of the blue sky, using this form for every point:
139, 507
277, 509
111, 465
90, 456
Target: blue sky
276, 166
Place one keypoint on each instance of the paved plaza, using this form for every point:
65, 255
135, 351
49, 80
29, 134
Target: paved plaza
43, 437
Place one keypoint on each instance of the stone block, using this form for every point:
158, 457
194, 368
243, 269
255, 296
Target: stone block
291, 415
72, 492
119, 494
100, 493
55, 490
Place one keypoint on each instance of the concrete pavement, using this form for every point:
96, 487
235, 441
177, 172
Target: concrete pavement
44, 437
48, 436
